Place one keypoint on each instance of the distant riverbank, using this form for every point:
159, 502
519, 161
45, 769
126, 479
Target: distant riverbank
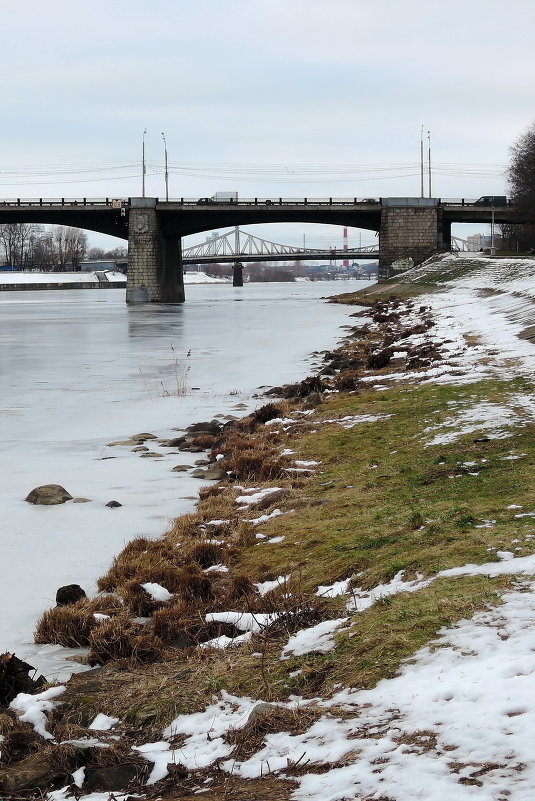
99, 279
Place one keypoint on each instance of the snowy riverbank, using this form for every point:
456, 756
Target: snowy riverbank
417, 683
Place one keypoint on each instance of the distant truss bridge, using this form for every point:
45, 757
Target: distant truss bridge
238, 245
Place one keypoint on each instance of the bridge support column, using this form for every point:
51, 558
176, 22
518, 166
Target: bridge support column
154, 261
237, 274
409, 235
172, 275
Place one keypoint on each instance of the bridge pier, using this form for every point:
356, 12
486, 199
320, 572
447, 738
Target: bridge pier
154, 260
237, 274
411, 232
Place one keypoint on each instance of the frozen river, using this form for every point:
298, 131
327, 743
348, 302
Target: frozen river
80, 369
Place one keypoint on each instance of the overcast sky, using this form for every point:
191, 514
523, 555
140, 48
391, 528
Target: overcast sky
267, 97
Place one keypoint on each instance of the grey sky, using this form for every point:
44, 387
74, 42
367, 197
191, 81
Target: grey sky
267, 97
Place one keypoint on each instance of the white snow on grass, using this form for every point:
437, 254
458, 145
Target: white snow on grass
352, 420
316, 638
255, 497
103, 722
334, 590
204, 732
244, 621
268, 586
78, 776
256, 521
226, 642
156, 591
33, 708
461, 710
363, 599
485, 417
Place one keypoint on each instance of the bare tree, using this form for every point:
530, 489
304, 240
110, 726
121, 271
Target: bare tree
522, 190
70, 246
15, 241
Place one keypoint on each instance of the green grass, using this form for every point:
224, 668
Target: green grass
386, 503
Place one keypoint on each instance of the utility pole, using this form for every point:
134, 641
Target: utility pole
429, 160
166, 171
422, 161
143, 164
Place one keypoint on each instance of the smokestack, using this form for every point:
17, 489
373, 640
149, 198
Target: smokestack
346, 247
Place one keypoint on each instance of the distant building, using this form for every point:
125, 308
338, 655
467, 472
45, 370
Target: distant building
482, 241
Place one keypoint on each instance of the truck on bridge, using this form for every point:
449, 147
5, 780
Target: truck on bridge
220, 197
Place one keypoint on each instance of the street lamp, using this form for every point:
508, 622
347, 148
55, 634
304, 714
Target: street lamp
422, 161
143, 169
166, 171
429, 159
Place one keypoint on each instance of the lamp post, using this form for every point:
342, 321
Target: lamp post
429, 160
422, 161
143, 170
166, 171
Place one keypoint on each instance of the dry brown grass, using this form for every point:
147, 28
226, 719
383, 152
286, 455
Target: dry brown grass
20, 741
142, 568
71, 625
253, 456
195, 585
138, 600
204, 441
119, 639
206, 554
241, 586
171, 622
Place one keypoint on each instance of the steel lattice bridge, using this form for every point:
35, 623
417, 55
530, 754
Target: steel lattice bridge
238, 245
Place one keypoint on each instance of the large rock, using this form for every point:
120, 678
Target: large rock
271, 499
114, 778
69, 594
35, 772
210, 427
48, 495
211, 473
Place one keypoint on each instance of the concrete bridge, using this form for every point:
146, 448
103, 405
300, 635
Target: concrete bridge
407, 227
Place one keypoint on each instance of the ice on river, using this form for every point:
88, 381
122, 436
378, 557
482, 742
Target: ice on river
79, 370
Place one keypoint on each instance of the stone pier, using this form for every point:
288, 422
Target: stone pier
154, 260
411, 232
237, 274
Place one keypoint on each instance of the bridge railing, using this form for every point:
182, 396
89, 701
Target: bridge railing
277, 201
60, 201
119, 203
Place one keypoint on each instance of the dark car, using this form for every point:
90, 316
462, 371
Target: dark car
203, 200
491, 200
